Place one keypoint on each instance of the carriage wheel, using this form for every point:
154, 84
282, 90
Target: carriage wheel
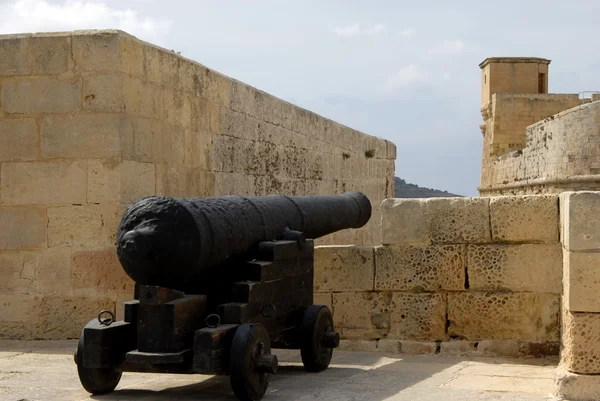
96, 380
251, 362
318, 338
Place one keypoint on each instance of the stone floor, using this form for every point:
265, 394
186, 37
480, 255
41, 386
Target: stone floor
36, 371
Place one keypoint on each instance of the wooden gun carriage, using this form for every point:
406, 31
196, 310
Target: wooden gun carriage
220, 283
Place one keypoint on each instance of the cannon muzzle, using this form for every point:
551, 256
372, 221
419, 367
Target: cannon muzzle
171, 242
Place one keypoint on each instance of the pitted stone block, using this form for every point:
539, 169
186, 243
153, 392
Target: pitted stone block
392, 315
581, 281
528, 267
404, 222
529, 218
580, 230
343, 268
581, 342
503, 316
459, 220
425, 268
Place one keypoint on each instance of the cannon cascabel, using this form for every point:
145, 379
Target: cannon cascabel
172, 241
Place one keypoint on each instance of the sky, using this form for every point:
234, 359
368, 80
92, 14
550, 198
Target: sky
405, 71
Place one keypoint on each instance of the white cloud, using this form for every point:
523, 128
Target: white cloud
448, 47
43, 16
355, 30
406, 33
406, 76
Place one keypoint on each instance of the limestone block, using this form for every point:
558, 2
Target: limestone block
458, 348
580, 230
18, 140
63, 318
51, 54
402, 316
13, 277
358, 346
41, 95
18, 314
527, 218
323, 298
22, 227
51, 270
101, 270
453, 220
527, 267
83, 136
404, 222
15, 51
538, 349
234, 184
581, 342
389, 346
503, 316
177, 107
96, 50
132, 55
496, 348
74, 226
103, 180
581, 280
243, 99
425, 268
418, 347
213, 86
111, 217
137, 180
105, 93
206, 117
343, 268
575, 387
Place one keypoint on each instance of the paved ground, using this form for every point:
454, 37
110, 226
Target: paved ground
36, 371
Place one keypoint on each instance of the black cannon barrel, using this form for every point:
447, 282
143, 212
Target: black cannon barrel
170, 241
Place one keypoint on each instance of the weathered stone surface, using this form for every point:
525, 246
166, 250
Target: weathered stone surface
41, 95
538, 349
22, 227
13, 277
18, 139
503, 316
404, 222
527, 267
580, 231
323, 298
75, 226
83, 136
103, 180
18, 314
105, 93
403, 316
504, 348
528, 218
101, 270
581, 342
572, 386
43, 183
52, 270
459, 220
458, 348
581, 281
137, 180
389, 346
358, 346
63, 318
51, 54
343, 268
111, 216
14, 55
96, 50
418, 347
424, 268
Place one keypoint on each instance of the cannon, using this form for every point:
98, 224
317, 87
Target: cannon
219, 283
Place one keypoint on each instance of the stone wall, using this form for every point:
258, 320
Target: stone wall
560, 154
90, 121
479, 276
580, 356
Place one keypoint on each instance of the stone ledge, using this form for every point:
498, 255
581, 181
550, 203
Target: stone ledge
576, 387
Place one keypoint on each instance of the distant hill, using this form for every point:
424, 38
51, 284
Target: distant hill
406, 190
